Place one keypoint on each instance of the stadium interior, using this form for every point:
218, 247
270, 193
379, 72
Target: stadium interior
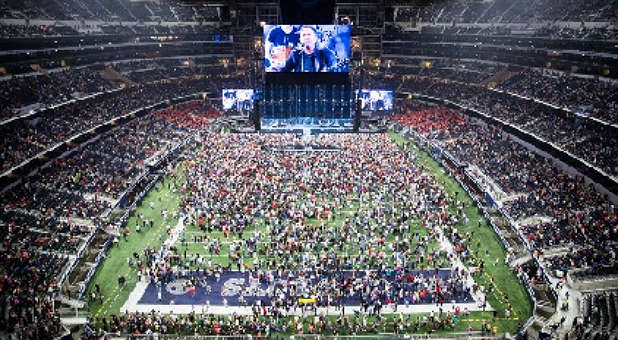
321, 169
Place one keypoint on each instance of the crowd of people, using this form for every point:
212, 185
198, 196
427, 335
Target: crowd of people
56, 125
466, 71
128, 67
88, 53
189, 116
345, 227
34, 250
44, 232
464, 29
50, 216
498, 11
284, 215
119, 29
585, 139
113, 11
527, 11
111, 28
585, 95
267, 326
594, 260
463, 72
19, 93
22, 31
607, 32
371, 183
106, 166
50, 88
155, 74
27, 305
39, 195
599, 319
566, 211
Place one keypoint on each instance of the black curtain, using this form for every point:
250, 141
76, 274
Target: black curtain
319, 12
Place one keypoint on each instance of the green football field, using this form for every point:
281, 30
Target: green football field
192, 246
507, 292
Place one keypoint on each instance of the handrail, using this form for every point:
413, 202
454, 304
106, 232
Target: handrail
592, 171
81, 136
426, 143
57, 105
110, 123
555, 107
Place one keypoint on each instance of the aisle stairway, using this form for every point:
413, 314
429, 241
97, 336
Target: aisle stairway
114, 77
546, 307
499, 78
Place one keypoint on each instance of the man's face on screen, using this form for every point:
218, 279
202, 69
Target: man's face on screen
308, 37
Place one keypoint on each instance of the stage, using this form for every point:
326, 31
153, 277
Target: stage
222, 296
305, 125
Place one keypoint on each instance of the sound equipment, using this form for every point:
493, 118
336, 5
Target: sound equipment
357, 115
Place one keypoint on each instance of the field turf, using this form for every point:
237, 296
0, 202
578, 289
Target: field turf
505, 289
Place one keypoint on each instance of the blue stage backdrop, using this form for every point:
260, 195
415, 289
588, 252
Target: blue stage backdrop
307, 105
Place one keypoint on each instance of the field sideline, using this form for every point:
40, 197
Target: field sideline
507, 289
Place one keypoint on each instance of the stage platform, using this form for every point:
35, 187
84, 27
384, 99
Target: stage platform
303, 125
234, 290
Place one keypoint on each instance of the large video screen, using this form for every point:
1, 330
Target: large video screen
237, 99
306, 48
376, 100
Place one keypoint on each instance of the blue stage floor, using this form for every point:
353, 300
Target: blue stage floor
230, 285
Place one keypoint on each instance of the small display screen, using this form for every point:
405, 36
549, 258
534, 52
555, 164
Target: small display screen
237, 99
376, 100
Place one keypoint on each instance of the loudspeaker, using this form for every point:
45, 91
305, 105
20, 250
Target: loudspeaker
256, 116
357, 114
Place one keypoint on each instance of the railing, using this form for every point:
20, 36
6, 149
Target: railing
57, 105
80, 252
453, 335
591, 171
434, 150
555, 107
101, 255
102, 128
124, 218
